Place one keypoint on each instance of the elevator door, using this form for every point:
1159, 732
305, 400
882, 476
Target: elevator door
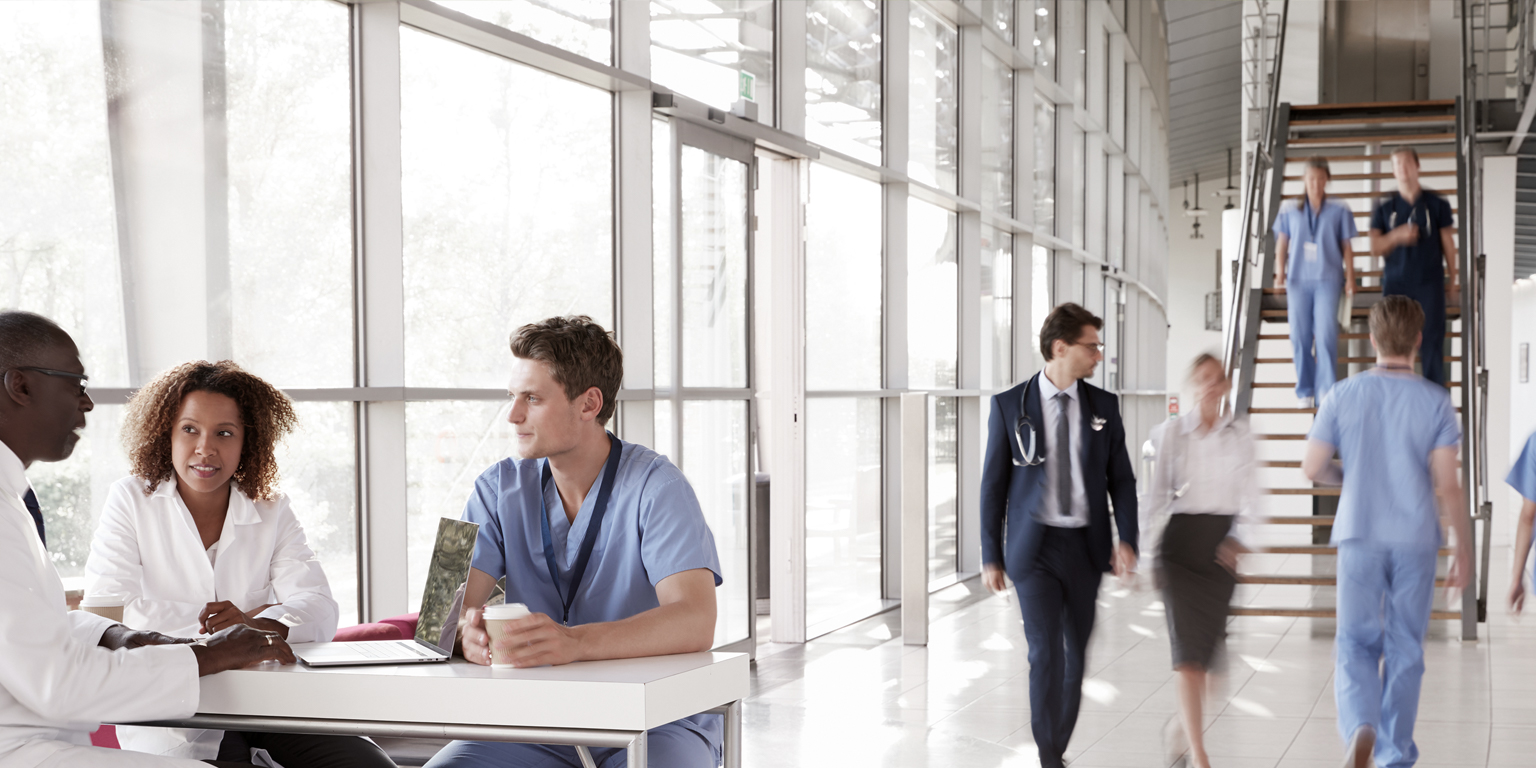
1376, 50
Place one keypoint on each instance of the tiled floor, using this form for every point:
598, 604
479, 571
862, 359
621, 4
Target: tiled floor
859, 697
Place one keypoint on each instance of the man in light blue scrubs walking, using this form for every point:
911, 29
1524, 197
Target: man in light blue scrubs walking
1397, 436
603, 540
1522, 477
1313, 263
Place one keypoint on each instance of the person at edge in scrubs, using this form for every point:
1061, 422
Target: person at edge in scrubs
578, 492
1397, 435
1522, 477
1313, 261
66, 671
197, 538
1416, 231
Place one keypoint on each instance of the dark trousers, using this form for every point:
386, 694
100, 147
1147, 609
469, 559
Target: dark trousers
1057, 597
303, 750
1431, 299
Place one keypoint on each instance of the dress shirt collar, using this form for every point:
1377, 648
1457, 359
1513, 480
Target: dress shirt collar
1192, 422
1048, 390
13, 475
242, 511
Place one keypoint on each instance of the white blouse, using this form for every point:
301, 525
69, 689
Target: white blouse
1199, 472
147, 550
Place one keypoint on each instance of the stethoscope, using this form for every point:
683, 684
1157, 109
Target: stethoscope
1032, 455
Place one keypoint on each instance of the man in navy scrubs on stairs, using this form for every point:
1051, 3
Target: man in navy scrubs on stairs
1050, 474
1413, 227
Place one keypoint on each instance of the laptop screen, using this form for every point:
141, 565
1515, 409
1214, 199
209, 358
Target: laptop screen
443, 595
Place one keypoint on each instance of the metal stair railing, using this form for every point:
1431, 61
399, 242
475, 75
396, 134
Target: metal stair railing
1240, 344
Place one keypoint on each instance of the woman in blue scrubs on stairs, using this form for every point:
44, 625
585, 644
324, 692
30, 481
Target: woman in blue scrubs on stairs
1313, 263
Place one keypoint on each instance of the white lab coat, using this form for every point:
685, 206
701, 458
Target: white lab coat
56, 683
147, 550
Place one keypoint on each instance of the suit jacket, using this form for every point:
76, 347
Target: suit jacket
1010, 495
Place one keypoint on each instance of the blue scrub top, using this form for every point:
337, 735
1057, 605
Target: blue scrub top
653, 529
1328, 228
1385, 424
1422, 264
1522, 476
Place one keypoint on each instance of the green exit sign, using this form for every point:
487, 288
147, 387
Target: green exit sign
748, 83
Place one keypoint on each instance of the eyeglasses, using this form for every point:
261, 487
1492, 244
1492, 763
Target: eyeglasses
80, 377
1094, 345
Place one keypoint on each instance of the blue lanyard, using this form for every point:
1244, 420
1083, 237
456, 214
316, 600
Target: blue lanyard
610, 471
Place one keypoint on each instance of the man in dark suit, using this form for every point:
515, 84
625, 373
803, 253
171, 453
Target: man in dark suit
1046, 489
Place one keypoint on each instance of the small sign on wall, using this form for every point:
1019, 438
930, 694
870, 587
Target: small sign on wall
1525, 362
1173, 406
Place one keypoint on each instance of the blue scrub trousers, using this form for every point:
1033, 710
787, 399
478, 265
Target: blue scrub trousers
1385, 596
1312, 309
670, 746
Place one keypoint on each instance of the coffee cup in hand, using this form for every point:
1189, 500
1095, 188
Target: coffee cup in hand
497, 619
105, 606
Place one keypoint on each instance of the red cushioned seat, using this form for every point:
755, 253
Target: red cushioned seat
105, 736
376, 631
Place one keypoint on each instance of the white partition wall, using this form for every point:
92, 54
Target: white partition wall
361, 201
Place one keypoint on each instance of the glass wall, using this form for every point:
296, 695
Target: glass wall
932, 295
716, 51
842, 77
996, 135
580, 26
934, 116
500, 193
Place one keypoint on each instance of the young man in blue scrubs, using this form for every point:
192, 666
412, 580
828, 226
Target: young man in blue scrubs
1413, 227
1313, 263
1397, 436
603, 540
1522, 477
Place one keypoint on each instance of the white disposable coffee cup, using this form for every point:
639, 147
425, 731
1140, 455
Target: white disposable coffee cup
497, 617
106, 606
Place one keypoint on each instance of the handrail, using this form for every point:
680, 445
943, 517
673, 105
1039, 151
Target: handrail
1474, 415
1263, 152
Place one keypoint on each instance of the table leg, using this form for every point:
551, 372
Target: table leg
586, 757
637, 751
732, 742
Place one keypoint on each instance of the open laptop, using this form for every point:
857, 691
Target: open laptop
441, 601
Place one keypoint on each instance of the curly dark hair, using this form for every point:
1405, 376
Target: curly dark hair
266, 413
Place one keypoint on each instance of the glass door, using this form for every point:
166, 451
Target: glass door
704, 412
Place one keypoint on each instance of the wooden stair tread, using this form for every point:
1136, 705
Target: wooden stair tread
1302, 492
1287, 337
1279, 437
1407, 138
1358, 290
1292, 384
1314, 549
1316, 613
1288, 411
1382, 157
1281, 464
1309, 122
1361, 195
1372, 176
1305, 581
1300, 519
1268, 314
1362, 105
1288, 361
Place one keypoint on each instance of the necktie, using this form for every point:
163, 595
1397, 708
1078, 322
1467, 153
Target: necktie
1063, 468
37, 514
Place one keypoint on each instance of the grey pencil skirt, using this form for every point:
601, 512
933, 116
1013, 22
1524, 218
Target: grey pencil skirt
1197, 590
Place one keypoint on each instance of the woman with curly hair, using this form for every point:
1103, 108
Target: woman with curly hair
197, 539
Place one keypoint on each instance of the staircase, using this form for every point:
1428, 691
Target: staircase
1292, 573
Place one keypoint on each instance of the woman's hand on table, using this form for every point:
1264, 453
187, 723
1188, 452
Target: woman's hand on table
223, 614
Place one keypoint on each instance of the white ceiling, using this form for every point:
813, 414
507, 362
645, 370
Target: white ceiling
1205, 90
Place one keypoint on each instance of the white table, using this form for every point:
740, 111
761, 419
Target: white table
587, 704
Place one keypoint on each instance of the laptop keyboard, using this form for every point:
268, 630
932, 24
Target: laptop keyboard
383, 649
